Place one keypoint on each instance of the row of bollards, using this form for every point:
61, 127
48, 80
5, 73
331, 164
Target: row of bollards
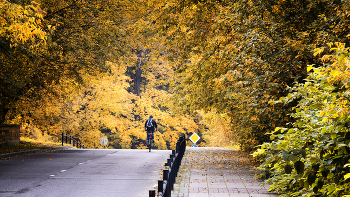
71, 140
166, 185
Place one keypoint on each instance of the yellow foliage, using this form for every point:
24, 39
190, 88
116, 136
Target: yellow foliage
219, 133
21, 24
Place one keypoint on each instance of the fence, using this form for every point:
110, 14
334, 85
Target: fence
169, 175
70, 140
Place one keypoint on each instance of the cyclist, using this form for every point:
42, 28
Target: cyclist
150, 127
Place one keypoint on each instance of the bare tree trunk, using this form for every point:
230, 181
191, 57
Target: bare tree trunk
142, 60
138, 76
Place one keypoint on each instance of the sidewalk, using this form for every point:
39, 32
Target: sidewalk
217, 172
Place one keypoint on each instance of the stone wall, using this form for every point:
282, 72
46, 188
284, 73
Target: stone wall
9, 134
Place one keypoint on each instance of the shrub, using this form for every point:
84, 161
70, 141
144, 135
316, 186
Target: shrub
312, 157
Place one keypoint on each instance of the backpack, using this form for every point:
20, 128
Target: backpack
149, 123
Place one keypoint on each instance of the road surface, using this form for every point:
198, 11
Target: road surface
88, 172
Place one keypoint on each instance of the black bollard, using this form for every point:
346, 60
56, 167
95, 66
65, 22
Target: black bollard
171, 158
152, 193
165, 178
165, 174
169, 163
160, 188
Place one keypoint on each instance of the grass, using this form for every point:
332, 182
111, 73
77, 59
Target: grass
27, 144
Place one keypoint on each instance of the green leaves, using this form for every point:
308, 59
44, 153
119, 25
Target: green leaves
287, 169
318, 144
299, 167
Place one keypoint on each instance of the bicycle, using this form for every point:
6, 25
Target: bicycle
150, 141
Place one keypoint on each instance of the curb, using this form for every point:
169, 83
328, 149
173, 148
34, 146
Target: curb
9, 155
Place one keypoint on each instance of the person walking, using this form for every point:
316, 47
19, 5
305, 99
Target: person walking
150, 127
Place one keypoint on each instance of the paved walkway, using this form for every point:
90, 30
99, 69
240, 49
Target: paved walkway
217, 172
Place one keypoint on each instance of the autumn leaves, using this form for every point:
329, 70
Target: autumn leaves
211, 67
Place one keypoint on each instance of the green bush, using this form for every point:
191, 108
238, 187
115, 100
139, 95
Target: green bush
312, 157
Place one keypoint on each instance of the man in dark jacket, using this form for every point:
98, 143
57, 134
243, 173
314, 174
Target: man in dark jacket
150, 126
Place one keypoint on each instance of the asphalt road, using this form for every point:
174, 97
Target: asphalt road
89, 172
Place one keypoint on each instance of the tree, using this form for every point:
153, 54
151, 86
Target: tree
236, 56
68, 39
77, 54
22, 40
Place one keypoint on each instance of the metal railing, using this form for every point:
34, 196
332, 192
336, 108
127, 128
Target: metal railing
166, 185
71, 140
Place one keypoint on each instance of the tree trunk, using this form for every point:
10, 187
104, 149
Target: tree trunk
141, 60
138, 77
3, 112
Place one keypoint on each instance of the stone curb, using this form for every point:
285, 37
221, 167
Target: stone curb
9, 155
